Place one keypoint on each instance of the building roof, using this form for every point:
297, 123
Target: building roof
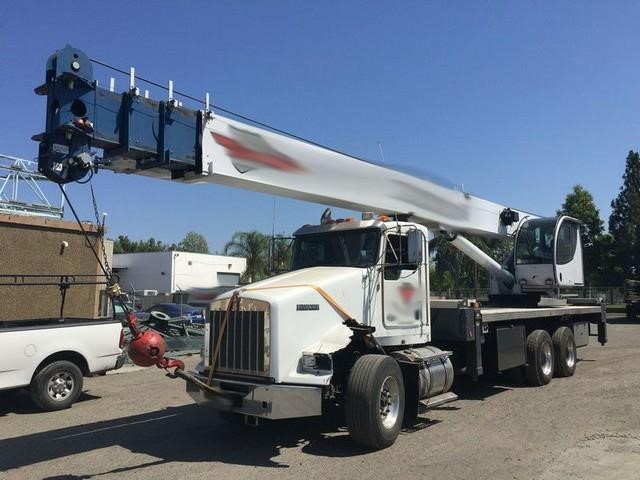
45, 222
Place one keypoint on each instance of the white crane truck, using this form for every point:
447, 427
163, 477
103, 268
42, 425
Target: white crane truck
353, 324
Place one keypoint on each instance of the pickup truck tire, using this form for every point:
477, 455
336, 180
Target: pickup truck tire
56, 386
539, 368
374, 407
564, 352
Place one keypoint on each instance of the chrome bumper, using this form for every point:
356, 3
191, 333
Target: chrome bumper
257, 400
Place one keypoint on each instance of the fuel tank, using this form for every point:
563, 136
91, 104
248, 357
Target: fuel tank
436, 371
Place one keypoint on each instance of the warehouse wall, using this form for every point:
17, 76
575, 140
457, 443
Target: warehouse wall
171, 272
34, 246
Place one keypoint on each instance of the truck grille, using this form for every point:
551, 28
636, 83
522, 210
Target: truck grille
245, 341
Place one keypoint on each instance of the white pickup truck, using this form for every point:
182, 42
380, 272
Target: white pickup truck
51, 357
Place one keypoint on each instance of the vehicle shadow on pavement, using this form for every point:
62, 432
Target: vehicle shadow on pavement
622, 320
18, 402
467, 389
184, 434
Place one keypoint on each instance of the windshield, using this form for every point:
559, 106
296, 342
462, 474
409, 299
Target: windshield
535, 242
349, 248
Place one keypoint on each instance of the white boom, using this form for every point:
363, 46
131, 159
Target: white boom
240, 155
165, 139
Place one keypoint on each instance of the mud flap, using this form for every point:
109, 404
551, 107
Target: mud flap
602, 327
411, 377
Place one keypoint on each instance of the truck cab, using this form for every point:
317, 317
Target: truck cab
292, 336
391, 257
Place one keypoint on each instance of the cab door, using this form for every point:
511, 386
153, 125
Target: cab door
568, 253
404, 279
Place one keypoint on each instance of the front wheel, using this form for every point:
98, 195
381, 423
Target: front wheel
374, 407
56, 386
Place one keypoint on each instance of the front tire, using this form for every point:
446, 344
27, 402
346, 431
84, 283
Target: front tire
56, 386
374, 407
564, 352
539, 369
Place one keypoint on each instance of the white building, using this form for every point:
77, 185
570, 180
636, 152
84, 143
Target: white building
171, 273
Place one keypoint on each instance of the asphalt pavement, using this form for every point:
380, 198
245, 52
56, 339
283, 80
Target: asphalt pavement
139, 424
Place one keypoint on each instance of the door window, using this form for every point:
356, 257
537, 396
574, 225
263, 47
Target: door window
396, 257
567, 242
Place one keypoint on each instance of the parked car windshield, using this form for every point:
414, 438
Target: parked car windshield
348, 248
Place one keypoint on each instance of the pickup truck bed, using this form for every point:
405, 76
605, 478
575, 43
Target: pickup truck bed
50, 356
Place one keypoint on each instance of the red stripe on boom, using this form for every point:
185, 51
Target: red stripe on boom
273, 160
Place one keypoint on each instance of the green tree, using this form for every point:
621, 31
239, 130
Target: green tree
280, 251
624, 222
124, 245
254, 246
193, 242
439, 279
579, 204
453, 271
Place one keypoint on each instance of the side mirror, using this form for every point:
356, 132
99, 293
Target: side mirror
414, 246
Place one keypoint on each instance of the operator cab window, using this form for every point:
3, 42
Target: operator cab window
535, 242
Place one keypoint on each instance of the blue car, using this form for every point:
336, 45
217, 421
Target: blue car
174, 310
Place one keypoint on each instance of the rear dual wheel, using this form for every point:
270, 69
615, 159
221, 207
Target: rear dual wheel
540, 361
548, 356
564, 351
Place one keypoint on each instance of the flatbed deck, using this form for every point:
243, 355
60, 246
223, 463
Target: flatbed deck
499, 314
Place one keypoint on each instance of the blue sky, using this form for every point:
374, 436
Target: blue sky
517, 101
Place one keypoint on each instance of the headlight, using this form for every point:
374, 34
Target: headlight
313, 362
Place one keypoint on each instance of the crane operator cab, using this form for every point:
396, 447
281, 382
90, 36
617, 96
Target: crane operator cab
548, 254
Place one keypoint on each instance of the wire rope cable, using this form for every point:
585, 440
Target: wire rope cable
230, 112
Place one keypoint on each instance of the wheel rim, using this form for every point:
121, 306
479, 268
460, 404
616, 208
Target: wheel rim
570, 354
60, 386
389, 402
546, 359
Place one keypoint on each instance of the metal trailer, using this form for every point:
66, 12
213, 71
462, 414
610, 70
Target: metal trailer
495, 338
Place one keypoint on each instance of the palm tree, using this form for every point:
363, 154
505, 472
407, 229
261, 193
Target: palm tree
254, 246
280, 254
